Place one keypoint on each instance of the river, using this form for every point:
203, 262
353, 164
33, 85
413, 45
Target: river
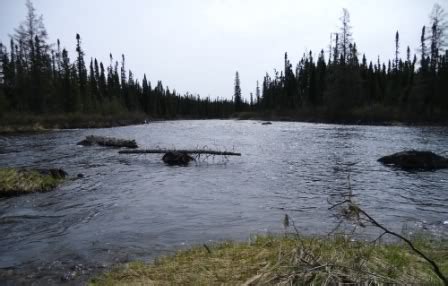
129, 207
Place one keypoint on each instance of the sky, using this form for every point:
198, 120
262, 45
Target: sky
196, 46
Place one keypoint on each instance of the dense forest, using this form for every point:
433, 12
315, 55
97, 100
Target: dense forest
39, 78
348, 87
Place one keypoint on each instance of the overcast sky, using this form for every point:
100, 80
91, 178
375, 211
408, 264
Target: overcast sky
197, 45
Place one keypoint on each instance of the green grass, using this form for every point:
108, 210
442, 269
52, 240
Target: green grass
17, 182
269, 260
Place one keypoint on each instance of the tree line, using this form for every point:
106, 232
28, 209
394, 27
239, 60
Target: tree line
39, 78
346, 86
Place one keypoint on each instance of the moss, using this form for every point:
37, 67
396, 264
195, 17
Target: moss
20, 181
284, 260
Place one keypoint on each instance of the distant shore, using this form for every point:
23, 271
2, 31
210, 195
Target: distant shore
358, 117
19, 123
24, 123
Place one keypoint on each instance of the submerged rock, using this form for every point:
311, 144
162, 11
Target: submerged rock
177, 158
266, 123
108, 142
411, 160
54, 173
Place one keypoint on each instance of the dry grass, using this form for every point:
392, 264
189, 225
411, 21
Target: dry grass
17, 182
286, 261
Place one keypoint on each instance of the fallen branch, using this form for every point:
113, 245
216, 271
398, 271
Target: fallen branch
165, 151
434, 265
351, 211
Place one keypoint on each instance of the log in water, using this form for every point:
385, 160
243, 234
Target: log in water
164, 151
108, 142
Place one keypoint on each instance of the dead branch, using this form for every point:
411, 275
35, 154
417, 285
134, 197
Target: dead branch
353, 212
434, 265
164, 151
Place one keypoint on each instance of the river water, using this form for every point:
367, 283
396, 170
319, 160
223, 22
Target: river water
129, 207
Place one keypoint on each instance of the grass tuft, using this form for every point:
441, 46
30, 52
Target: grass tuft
287, 260
15, 182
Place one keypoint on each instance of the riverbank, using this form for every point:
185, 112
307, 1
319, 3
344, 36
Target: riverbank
269, 260
19, 123
375, 116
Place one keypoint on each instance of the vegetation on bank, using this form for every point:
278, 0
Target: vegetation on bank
287, 260
16, 123
14, 182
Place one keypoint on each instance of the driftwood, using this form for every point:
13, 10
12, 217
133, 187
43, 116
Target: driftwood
165, 151
411, 160
108, 142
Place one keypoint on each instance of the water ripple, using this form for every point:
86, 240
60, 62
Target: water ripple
135, 206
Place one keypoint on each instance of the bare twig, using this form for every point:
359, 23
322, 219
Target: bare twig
161, 151
354, 212
434, 265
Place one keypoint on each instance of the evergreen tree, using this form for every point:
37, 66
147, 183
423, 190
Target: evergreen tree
28, 30
423, 51
257, 93
82, 75
237, 94
346, 35
397, 52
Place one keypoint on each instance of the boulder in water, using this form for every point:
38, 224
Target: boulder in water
414, 160
177, 158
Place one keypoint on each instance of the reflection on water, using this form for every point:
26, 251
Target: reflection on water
135, 207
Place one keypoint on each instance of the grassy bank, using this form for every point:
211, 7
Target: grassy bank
15, 182
19, 123
283, 260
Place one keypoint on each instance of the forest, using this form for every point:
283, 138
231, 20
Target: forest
39, 78
347, 86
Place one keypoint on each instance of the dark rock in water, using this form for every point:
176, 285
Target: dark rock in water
414, 160
85, 142
108, 142
177, 158
266, 123
80, 176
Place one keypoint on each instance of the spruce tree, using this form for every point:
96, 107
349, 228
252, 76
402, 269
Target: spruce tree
397, 52
27, 31
237, 94
82, 75
345, 35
